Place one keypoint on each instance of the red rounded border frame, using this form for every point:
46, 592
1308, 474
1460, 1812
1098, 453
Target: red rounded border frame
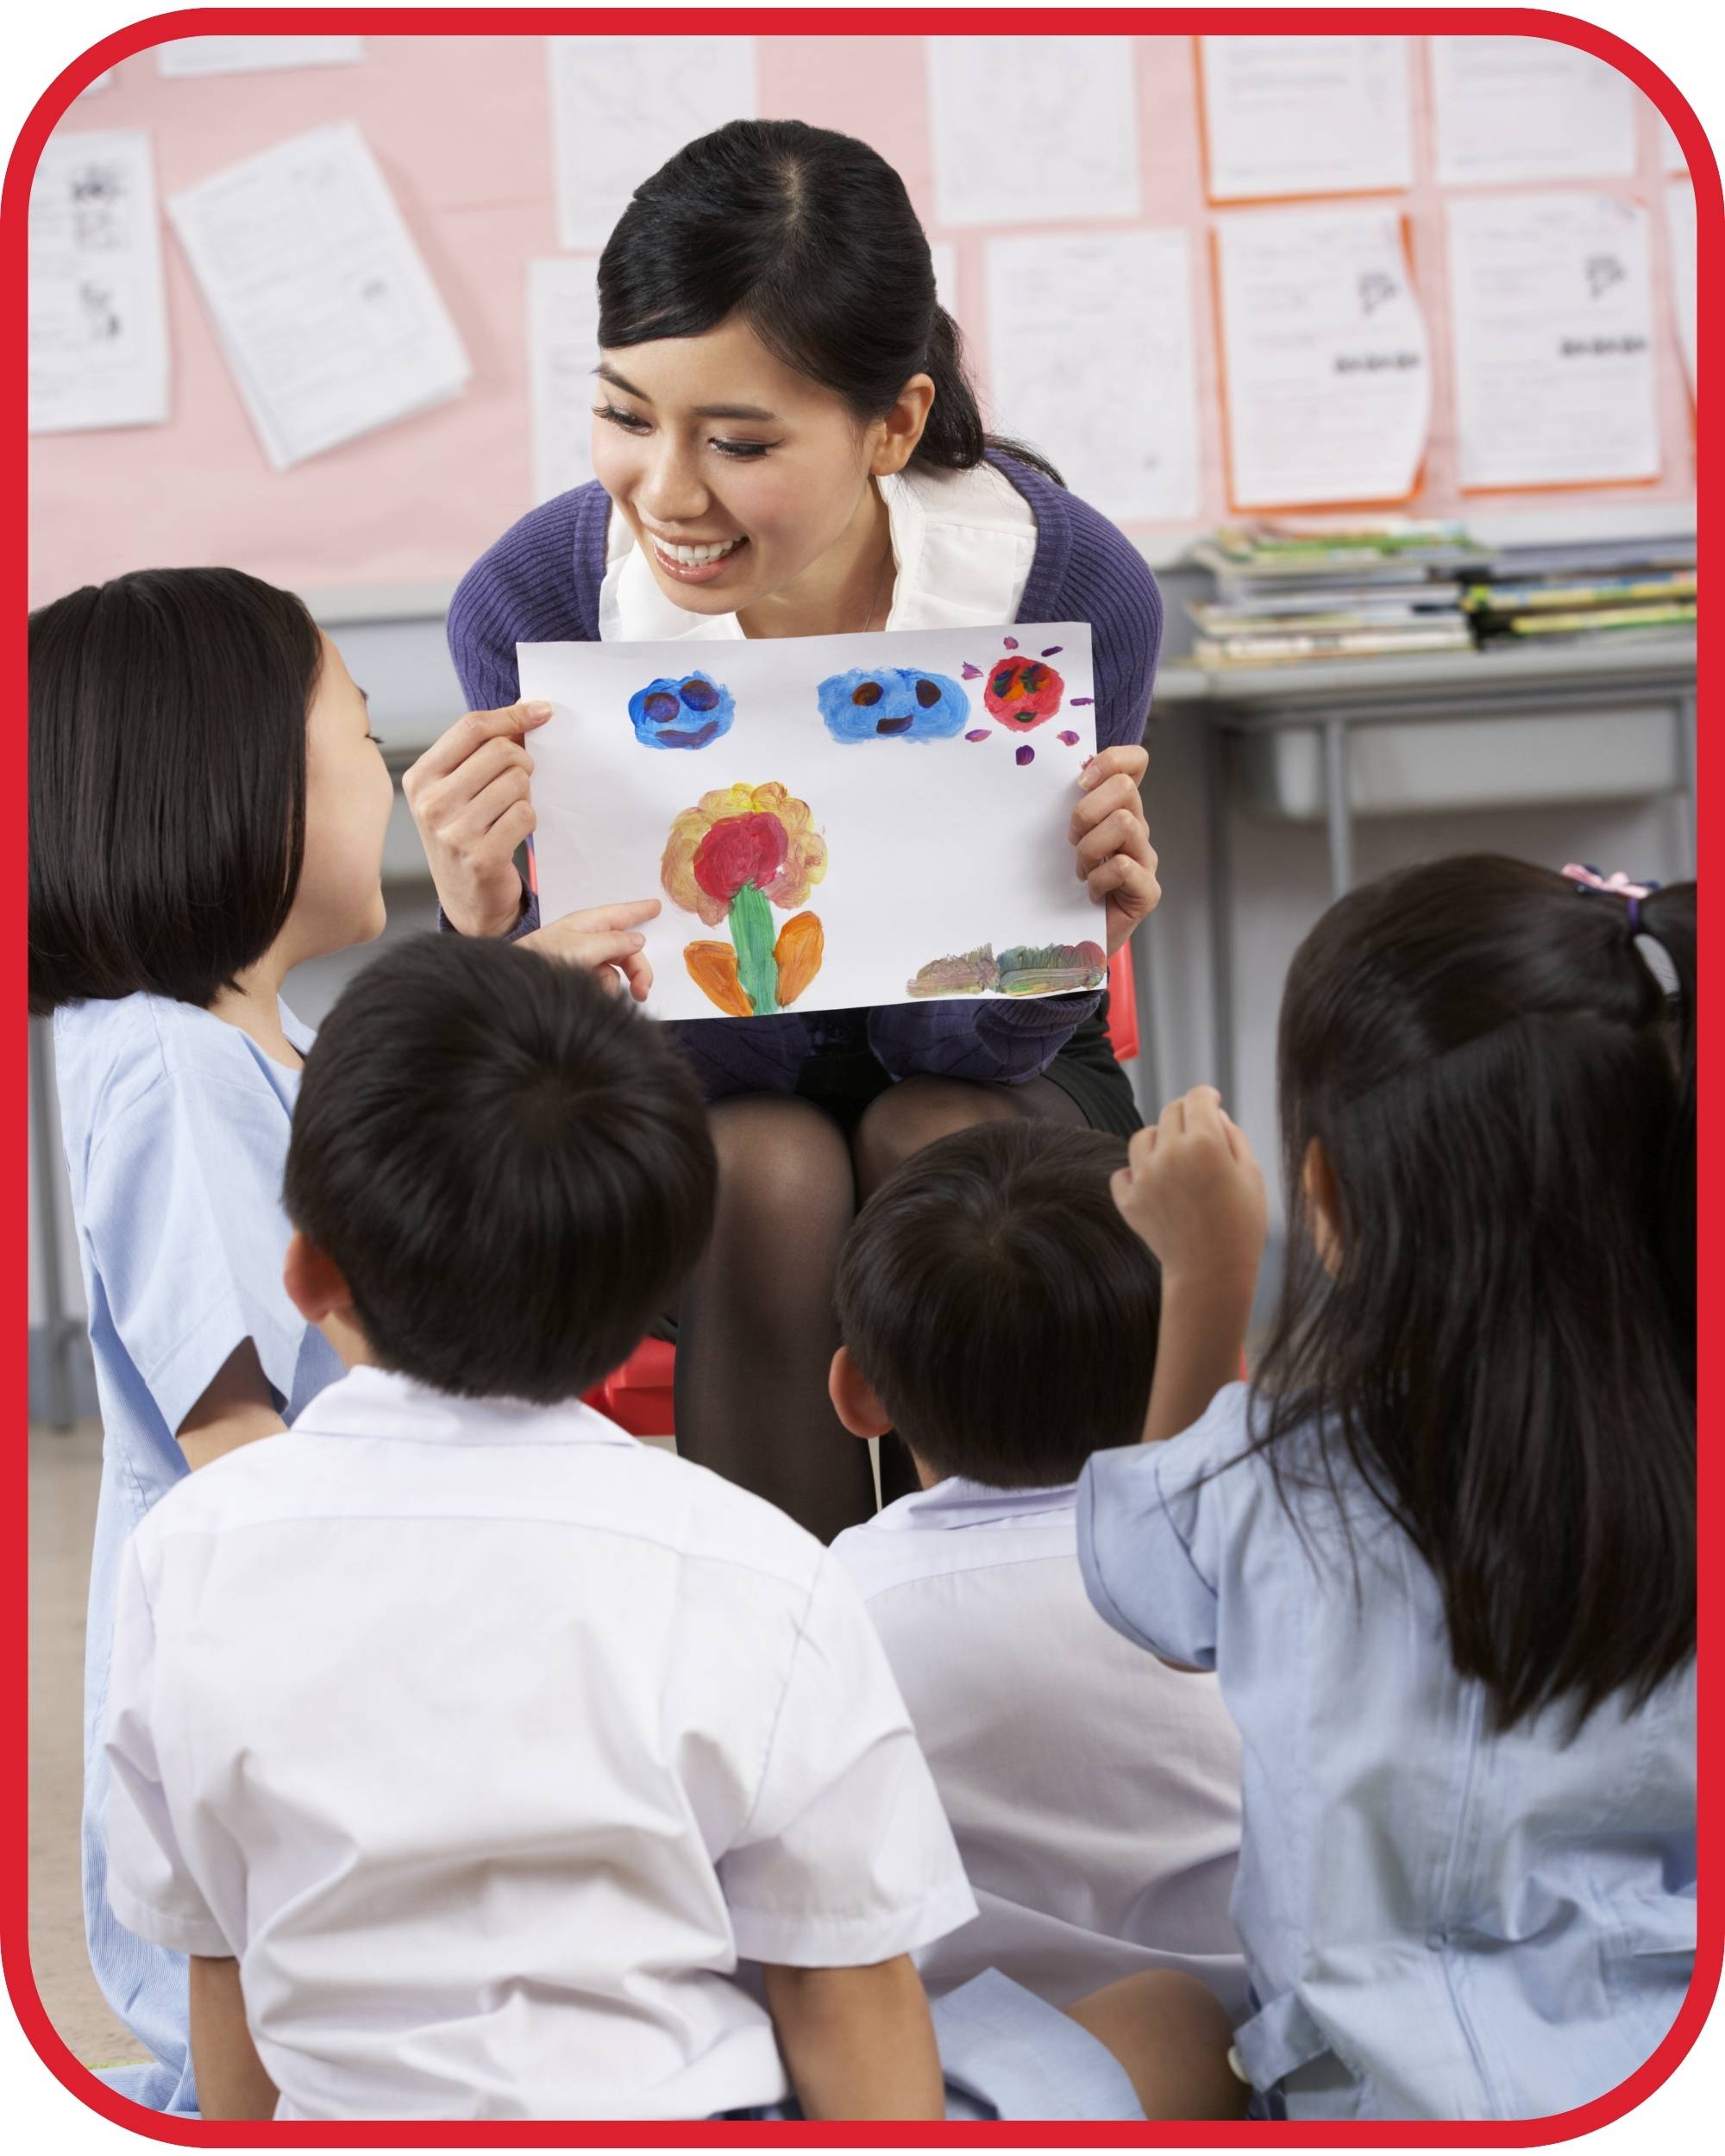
13, 1743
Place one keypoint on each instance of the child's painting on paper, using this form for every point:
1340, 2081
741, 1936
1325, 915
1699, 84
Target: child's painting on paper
843, 821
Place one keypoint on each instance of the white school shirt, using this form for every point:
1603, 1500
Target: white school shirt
175, 1125
963, 545
490, 1740
1442, 1922
1094, 1794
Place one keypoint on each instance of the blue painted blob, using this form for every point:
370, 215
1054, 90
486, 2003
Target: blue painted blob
681, 712
892, 703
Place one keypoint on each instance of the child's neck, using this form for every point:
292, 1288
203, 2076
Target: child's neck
254, 1006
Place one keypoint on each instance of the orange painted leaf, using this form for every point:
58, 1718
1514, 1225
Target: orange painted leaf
712, 968
798, 950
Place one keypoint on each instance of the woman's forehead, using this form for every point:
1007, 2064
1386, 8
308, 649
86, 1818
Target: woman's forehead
726, 372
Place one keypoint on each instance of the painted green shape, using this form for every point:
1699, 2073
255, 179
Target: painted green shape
1043, 969
752, 932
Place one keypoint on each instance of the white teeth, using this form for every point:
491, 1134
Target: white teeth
692, 557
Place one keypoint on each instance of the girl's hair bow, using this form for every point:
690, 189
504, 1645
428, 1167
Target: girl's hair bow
1587, 880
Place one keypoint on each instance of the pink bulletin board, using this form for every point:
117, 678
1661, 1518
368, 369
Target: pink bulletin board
462, 127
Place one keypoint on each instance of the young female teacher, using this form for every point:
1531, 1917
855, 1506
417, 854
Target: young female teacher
785, 445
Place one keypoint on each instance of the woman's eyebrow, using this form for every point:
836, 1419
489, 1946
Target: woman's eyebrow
702, 412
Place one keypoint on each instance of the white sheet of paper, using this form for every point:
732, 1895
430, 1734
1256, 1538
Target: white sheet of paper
98, 344
98, 82
563, 350
1305, 116
1672, 156
255, 55
621, 106
1325, 356
322, 302
944, 256
1511, 109
934, 847
1033, 130
1680, 230
1091, 360
1551, 311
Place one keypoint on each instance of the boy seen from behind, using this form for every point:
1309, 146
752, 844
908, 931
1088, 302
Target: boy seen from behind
999, 1315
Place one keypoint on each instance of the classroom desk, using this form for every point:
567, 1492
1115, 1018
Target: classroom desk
1331, 700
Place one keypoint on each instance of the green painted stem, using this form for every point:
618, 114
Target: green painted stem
752, 932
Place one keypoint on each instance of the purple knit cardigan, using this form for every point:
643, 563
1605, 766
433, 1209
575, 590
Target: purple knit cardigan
540, 583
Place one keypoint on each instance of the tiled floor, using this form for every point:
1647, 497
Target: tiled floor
64, 1475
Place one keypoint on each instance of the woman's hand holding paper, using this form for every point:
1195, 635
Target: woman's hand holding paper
1115, 859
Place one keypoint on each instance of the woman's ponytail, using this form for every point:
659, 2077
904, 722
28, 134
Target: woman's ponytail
955, 439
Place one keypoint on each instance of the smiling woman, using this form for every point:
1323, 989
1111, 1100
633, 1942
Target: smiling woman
786, 445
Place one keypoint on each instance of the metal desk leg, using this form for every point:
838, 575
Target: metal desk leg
1221, 908
1686, 760
1338, 814
59, 1328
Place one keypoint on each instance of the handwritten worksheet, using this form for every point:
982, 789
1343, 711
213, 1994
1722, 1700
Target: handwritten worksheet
1305, 116
563, 350
1327, 361
1032, 130
98, 344
1091, 361
1551, 311
1515, 109
255, 55
324, 310
621, 106
1680, 235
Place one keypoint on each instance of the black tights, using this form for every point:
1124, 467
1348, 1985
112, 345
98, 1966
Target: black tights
755, 1331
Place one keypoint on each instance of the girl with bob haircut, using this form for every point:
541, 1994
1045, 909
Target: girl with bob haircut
787, 444
1443, 1556
207, 810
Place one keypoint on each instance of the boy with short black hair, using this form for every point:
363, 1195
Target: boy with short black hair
998, 1313
466, 1744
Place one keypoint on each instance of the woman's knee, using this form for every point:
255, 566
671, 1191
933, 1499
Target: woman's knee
1172, 2035
780, 1160
914, 1113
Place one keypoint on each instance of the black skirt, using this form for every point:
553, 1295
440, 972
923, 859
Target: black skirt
844, 1077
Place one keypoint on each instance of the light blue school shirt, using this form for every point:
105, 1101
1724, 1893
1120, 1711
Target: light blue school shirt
1438, 1921
175, 1126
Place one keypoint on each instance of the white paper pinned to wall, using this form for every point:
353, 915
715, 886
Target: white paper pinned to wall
1680, 232
255, 55
1513, 109
324, 310
920, 831
98, 343
1326, 360
563, 350
1305, 116
1551, 309
1091, 361
1033, 130
621, 106
944, 257
1672, 156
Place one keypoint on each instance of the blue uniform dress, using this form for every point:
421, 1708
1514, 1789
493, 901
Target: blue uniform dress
176, 1127
1439, 1921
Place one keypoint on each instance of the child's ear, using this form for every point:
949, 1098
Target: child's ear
1323, 1204
314, 1281
854, 1400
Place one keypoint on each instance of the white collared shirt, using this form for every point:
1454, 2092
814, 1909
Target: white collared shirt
490, 1740
963, 545
1095, 1794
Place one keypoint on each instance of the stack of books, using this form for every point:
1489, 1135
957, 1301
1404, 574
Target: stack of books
1614, 589
1290, 592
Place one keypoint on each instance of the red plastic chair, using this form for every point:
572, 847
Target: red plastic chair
637, 1395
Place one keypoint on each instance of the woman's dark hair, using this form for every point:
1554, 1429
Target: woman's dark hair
1502, 1343
999, 1306
510, 1168
167, 783
810, 237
